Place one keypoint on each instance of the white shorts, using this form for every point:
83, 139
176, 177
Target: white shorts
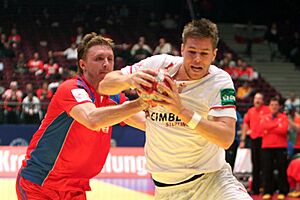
219, 185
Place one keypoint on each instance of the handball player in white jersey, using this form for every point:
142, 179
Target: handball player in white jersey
194, 122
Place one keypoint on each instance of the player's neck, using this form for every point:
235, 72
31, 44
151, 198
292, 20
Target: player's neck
181, 75
91, 82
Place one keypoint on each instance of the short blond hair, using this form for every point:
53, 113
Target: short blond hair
202, 28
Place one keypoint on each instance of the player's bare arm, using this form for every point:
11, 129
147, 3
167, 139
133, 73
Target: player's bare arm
96, 118
219, 130
115, 82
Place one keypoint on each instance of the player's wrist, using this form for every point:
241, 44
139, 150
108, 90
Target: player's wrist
143, 104
194, 121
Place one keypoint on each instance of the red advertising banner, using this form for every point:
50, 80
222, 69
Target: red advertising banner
120, 163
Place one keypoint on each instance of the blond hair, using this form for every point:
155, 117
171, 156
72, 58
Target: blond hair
202, 28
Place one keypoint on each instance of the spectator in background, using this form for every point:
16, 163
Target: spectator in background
31, 109
5, 48
44, 95
123, 55
43, 92
274, 126
231, 70
28, 89
227, 60
70, 53
12, 104
50, 55
71, 72
12, 98
168, 22
163, 47
244, 91
55, 81
231, 152
79, 35
21, 65
13, 88
245, 72
141, 46
251, 127
14, 39
175, 51
35, 63
51, 68
292, 101
273, 40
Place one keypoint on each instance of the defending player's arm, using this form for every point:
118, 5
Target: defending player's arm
219, 130
135, 76
96, 118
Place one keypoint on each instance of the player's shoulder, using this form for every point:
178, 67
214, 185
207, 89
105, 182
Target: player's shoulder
165, 59
219, 77
67, 85
218, 72
69, 82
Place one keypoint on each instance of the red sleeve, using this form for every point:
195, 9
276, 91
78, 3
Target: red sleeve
69, 94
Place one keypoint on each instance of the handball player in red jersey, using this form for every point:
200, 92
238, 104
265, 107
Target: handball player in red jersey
72, 143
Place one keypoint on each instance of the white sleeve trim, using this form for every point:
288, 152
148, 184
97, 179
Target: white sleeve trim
223, 112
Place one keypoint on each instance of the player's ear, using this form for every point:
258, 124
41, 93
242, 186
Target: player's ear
214, 53
181, 49
82, 64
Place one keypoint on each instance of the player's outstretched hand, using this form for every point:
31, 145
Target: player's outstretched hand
169, 98
142, 79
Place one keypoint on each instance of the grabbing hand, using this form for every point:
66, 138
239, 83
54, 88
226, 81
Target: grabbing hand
169, 98
142, 79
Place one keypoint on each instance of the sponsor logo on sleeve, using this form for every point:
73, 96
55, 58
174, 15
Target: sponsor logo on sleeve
80, 95
228, 97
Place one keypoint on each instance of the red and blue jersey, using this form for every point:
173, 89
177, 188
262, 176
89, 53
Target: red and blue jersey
64, 154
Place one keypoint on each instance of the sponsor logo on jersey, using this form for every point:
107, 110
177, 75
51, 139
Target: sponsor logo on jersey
228, 97
80, 95
169, 118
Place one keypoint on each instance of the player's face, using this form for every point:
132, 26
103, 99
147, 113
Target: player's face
198, 54
274, 107
99, 61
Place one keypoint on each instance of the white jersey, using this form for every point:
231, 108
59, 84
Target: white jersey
174, 151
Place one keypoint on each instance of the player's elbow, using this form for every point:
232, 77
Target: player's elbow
228, 141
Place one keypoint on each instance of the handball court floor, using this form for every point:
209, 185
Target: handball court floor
106, 189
